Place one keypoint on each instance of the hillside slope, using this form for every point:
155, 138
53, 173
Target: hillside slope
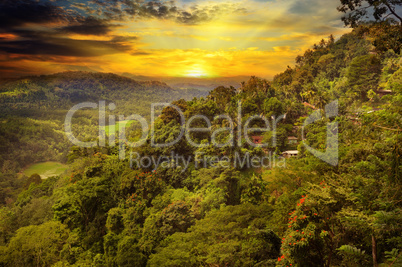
33, 110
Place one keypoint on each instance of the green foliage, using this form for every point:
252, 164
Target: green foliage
363, 74
222, 96
393, 257
273, 107
395, 82
104, 212
10, 186
353, 255
359, 10
244, 239
33, 111
254, 192
36, 245
176, 217
8, 224
34, 178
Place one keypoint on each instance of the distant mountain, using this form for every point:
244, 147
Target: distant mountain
33, 110
193, 82
61, 90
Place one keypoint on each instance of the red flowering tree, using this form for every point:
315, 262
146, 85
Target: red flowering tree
315, 228
141, 185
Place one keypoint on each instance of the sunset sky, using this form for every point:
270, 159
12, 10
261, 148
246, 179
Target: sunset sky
161, 38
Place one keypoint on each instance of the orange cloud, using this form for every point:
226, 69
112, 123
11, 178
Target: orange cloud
243, 38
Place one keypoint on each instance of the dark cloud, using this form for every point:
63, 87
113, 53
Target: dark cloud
94, 17
63, 47
14, 13
12, 68
166, 10
40, 28
140, 53
302, 7
17, 17
317, 8
122, 39
88, 26
32, 33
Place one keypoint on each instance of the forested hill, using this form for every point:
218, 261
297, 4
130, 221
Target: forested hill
62, 89
33, 110
346, 69
212, 212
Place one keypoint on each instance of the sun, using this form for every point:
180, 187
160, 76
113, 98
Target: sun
196, 73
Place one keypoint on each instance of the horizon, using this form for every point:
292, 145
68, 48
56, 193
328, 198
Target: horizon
181, 39
142, 78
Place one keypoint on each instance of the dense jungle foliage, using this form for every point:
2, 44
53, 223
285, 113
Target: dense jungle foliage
33, 110
300, 212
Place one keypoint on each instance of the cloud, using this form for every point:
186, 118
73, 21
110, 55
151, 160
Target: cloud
39, 28
315, 7
89, 26
7, 36
122, 39
164, 10
140, 53
162, 37
282, 48
63, 47
14, 13
207, 13
302, 7
11, 68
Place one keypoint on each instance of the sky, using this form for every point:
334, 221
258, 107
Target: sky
187, 38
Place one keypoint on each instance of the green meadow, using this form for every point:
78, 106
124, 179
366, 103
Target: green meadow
46, 169
115, 128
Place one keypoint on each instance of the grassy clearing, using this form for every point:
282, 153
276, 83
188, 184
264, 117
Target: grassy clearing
115, 128
46, 169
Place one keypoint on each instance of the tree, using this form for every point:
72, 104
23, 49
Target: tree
34, 178
170, 113
176, 217
37, 245
395, 82
272, 106
8, 224
255, 84
231, 236
255, 191
386, 36
277, 139
324, 220
222, 95
363, 75
357, 10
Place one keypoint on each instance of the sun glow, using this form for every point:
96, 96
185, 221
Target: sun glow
261, 40
195, 73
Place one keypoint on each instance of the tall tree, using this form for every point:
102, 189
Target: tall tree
358, 10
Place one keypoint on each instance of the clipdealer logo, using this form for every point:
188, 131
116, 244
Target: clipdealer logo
240, 132
331, 154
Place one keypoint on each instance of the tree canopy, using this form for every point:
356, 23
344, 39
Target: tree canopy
358, 11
